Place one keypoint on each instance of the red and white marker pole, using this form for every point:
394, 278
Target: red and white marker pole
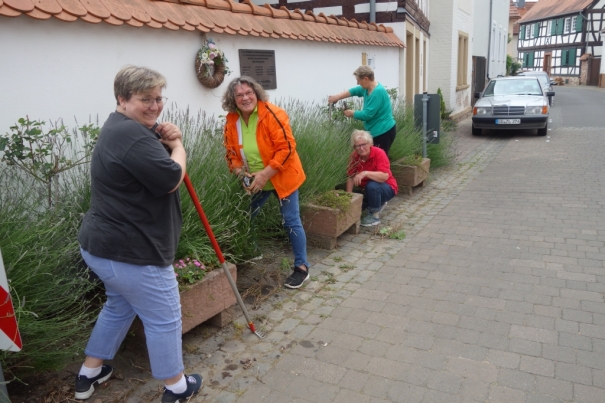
10, 339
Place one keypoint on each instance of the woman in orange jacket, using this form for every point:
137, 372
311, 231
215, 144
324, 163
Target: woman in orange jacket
262, 151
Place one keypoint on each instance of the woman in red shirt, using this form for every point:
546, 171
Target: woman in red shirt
370, 169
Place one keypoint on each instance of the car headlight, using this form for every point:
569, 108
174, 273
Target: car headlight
482, 111
536, 110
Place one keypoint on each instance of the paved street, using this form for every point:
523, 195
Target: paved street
495, 295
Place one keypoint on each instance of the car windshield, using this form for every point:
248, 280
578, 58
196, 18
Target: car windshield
513, 87
542, 77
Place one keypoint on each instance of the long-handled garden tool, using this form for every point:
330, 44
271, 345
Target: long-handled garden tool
218, 252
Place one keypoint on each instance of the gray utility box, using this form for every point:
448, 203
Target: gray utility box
433, 116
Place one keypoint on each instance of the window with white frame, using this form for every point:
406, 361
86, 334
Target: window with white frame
573, 23
497, 48
548, 27
567, 28
493, 45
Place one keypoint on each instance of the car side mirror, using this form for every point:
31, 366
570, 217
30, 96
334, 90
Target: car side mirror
550, 94
477, 95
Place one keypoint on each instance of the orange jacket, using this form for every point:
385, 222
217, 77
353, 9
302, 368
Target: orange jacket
276, 145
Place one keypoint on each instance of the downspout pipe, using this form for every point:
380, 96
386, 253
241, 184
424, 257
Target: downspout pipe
489, 39
372, 11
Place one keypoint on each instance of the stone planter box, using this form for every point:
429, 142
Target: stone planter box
410, 176
210, 300
323, 225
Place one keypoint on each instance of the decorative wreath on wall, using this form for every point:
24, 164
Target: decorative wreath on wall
211, 65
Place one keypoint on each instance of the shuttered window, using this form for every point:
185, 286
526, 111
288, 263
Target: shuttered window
522, 32
579, 23
568, 57
528, 60
536, 29
560, 26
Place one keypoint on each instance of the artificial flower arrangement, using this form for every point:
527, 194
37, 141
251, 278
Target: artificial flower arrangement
212, 58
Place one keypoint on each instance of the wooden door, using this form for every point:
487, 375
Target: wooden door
547, 62
594, 69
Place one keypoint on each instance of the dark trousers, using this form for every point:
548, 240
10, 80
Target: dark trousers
376, 194
385, 140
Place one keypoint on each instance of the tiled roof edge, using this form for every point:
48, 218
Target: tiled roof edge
218, 16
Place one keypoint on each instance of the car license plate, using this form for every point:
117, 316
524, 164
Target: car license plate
508, 121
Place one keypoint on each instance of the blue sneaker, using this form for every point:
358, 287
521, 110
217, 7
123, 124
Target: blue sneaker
194, 383
370, 221
85, 386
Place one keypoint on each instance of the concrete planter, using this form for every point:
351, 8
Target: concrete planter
410, 176
210, 300
323, 225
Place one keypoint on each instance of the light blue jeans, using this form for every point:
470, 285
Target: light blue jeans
290, 211
152, 293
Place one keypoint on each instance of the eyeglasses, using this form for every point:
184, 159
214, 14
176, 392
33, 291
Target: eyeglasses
148, 102
358, 146
248, 94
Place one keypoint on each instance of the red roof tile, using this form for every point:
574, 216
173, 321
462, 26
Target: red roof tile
219, 16
552, 8
20, 5
47, 6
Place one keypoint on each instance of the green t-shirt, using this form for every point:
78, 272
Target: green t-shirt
377, 113
255, 162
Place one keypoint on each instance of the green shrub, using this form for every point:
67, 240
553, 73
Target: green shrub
53, 299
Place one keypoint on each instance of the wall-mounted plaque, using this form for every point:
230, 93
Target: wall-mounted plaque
260, 65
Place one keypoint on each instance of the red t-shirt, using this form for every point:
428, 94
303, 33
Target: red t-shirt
377, 161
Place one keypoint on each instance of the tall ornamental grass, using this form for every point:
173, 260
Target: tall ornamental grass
55, 302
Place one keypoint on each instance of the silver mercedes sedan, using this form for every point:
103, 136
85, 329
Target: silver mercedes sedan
512, 103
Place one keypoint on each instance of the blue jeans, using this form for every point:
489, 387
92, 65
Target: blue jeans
376, 194
152, 293
290, 211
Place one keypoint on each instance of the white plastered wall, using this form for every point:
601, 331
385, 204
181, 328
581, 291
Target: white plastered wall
52, 69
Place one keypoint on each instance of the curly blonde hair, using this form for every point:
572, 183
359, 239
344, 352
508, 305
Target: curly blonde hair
229, 96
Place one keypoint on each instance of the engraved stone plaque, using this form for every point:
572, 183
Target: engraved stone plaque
260, 65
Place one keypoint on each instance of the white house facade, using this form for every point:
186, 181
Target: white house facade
407, 18
490, 34
59, 60
450, 67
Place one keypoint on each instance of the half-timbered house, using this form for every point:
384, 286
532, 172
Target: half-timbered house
563, 39
408, 19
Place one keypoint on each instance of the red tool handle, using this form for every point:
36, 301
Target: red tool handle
200, 211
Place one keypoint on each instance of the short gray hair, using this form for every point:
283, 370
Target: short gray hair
364, 71
229, 96
361, 134
136, 80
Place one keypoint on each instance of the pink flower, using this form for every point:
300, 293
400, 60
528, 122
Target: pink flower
198, 264
211, 45
212, 55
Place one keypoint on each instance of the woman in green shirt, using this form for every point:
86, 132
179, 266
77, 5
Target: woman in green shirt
377, 112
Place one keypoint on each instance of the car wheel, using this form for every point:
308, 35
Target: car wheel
476, 132
542, 132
